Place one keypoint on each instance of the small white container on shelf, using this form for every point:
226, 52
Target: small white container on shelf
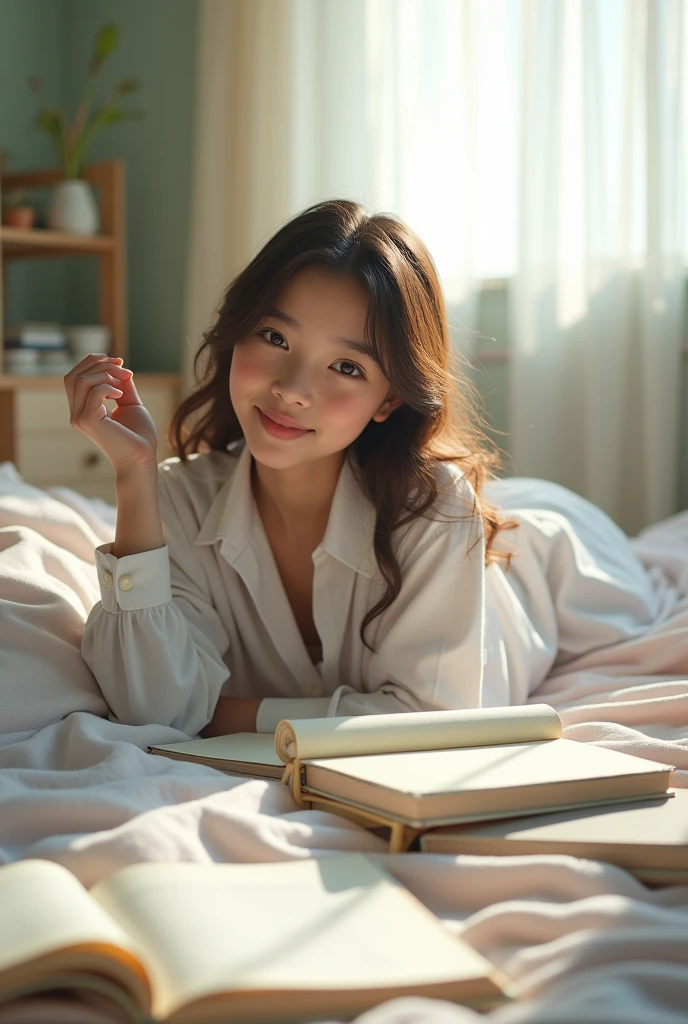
57, 362
88, 338
73, 208
21, 360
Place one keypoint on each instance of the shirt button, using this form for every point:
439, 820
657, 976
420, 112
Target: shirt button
106, 579
126, 582
314, 689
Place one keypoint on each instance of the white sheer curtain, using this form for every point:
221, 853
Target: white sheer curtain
543, 141
596, 300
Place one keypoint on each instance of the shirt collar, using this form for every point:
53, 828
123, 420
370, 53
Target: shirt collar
233, 517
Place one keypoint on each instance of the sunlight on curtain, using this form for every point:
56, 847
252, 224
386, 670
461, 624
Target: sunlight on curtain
597, 297
538, 141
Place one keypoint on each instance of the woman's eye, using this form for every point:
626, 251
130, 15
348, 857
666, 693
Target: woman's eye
269, 330
349, 369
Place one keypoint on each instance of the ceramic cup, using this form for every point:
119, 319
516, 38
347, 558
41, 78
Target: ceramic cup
89, 338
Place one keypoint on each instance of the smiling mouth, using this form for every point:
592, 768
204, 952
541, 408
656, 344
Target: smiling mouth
280, 430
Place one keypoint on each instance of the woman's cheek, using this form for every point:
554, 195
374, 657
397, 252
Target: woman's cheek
248, 366
350, 410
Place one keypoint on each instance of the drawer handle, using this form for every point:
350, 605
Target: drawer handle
91, 459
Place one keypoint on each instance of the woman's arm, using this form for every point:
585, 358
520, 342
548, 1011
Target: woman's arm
155, 642
233, 714
138, 513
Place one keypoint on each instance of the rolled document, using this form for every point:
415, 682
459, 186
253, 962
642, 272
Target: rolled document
415, 730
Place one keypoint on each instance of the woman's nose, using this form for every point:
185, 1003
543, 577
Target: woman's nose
293, 388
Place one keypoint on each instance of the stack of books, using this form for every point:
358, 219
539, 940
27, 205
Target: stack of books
36, 348
489, 781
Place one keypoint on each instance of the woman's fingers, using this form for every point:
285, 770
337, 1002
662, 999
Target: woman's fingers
85, 385
89, 372
128, 434
83, 365
94, 410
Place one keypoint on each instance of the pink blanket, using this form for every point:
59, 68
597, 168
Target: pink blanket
582, 941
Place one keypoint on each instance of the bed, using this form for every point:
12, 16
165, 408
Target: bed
582, 941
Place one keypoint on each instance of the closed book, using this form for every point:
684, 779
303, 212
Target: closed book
420, 770
649, 838
34, 335
215, 943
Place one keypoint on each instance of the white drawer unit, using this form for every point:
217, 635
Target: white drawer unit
36, 435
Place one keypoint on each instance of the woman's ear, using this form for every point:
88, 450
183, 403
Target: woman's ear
392, 402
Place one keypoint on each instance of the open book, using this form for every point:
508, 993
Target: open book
419, 770
205, 944
649, 838
243, 753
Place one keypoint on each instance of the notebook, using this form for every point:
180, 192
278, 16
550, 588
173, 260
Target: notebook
243, 753
212, 943
649, 838
420, 770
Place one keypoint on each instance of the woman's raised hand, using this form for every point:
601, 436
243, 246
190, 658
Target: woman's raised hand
127, 435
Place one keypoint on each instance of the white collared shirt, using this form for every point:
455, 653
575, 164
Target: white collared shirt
207, 615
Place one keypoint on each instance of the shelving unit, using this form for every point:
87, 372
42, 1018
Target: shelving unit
109, 247
34, 418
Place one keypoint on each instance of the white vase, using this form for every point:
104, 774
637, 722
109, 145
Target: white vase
73, 208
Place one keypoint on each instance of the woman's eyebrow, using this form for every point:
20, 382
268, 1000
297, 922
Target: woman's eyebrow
290, 321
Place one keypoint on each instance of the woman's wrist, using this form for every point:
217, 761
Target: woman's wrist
139, 527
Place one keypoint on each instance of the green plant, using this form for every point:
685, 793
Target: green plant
73, 139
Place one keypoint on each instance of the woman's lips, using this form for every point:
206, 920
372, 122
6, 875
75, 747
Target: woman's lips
278, 430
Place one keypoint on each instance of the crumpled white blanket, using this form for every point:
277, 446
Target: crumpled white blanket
581, 941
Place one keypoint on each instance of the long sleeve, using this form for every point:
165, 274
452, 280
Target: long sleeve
155, 641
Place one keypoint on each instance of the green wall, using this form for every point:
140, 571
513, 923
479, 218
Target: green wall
157, 45
32, 41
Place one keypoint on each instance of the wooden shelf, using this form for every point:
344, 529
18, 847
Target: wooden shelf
28, 243
108, 247
41, 394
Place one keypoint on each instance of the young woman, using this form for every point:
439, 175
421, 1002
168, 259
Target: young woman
323, 543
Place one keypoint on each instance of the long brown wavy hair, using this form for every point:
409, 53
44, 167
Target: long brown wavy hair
406, 328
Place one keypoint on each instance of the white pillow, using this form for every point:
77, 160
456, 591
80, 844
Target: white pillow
48, 585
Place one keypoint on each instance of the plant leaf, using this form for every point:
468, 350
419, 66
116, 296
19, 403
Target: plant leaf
49, 121
127, 85
106, 40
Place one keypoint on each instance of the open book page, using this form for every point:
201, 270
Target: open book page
339, 923
421, 730
49, 924
241, 748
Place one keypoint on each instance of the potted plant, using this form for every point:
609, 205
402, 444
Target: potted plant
73, 207
16, 211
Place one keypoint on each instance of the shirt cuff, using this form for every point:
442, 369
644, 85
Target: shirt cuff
272, 710
135, 581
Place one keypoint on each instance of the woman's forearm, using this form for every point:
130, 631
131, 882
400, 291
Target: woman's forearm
233, 714
139, 527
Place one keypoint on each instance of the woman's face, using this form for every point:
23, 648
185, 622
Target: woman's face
300, 390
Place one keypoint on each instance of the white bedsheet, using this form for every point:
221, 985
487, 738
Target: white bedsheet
582, 941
